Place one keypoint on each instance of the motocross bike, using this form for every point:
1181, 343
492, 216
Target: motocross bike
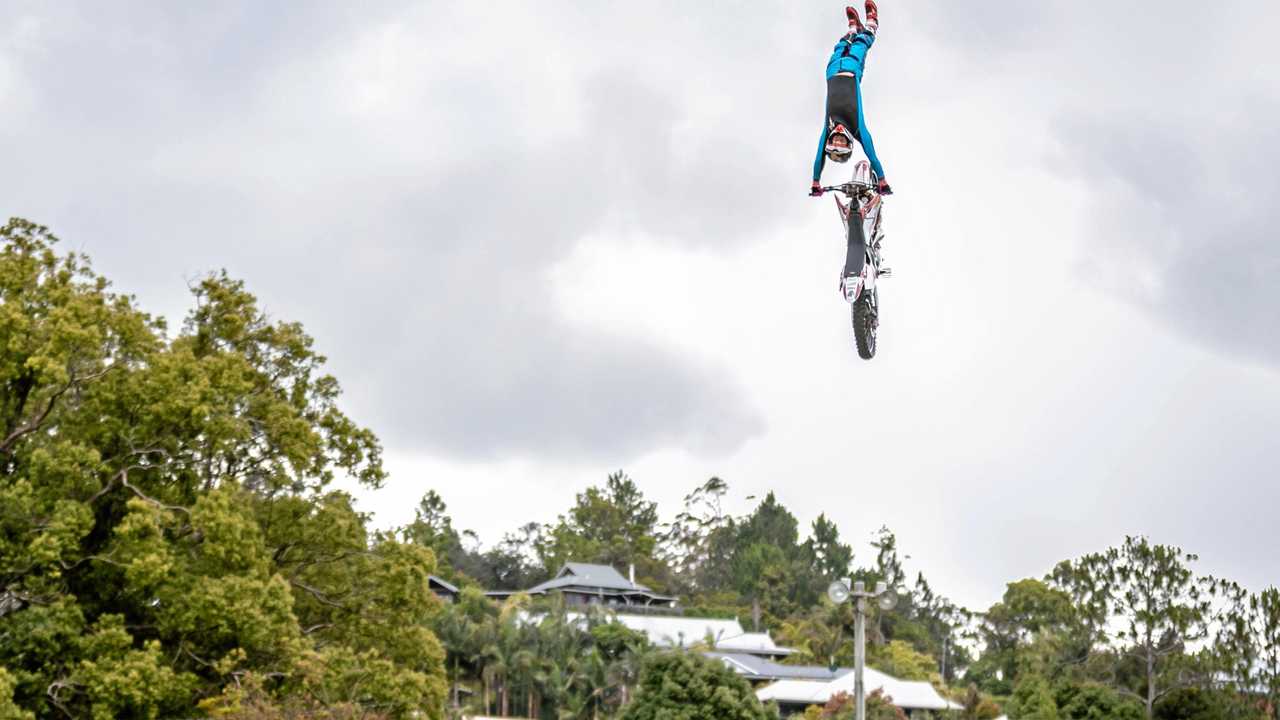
862, 266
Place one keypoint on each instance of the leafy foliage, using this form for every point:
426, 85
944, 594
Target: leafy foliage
1094, 701
684, 686
976, 706
166, 527
1247, 649
1033, 700
900, 660
1158, 603
8, 709
610, 525
843, 707
538, 659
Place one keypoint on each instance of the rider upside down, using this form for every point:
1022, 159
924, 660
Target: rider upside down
844, 121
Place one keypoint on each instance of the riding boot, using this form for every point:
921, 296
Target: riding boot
855, 24
873, 17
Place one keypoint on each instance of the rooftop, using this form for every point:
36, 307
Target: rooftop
584, 575
584, 579
678, 631
437, 580
755, 643
681, 631
754, 667
905, 693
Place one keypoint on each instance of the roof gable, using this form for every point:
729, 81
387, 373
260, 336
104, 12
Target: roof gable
590, 576
437, 581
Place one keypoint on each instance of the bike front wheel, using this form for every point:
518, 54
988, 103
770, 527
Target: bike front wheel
866, 321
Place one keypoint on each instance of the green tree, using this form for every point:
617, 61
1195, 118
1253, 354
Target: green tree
1194, 704
1247, 646
1155, 599
1094, 701
768, 567
829, 558
842, 706
611, 525
688, 543
888, 567
539, 659
976, 705
770, 524
1033, 700
458, 555
822, 635
166, 530
461, 628
884, 627
685, 686
929, 622
433, 528
1267, 609
934, 624
763, 576
900, 660
513, 564
1030, 618
621, 653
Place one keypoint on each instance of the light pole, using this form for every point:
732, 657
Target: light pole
886, 598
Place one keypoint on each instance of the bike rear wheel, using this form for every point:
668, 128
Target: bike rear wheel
866, 321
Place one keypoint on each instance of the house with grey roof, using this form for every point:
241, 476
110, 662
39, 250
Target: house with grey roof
443, 589
586, 584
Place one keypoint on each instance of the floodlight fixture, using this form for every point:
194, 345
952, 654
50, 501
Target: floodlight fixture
838, 591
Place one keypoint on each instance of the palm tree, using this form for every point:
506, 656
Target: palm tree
595, 680
456, 631
624, 671
506, 641
524, 663
493, 675
539, 660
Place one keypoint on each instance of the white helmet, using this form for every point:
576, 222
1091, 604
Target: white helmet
839, 153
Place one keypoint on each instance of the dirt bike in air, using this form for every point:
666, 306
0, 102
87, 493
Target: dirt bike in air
864, 232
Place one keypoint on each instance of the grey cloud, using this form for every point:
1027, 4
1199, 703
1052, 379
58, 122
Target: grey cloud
986, 30
1178, 146
158, 147
502, 371
1209, 237
1167, 125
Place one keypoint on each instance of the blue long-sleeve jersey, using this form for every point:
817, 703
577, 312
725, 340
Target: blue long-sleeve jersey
849, 56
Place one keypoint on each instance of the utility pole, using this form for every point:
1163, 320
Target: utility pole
946, 647
860, 654
886, 598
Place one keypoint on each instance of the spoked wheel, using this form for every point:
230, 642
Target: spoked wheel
865, 322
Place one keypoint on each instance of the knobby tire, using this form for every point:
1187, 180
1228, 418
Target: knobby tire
864, 325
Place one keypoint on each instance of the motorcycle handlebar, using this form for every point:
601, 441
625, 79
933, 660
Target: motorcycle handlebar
847, 188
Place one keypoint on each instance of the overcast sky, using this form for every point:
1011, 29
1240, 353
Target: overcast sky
543, 241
